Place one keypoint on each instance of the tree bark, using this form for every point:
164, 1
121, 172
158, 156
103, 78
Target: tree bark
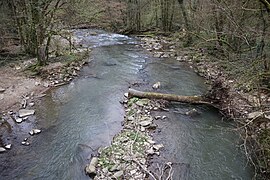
168, 97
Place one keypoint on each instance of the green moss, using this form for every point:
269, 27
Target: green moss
132, 101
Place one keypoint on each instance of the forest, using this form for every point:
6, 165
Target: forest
232, 36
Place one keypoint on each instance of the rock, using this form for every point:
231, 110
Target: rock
118, 174
8, 146
164, 117
1, 96
126, 95
34, 131
150, 151
133, 171
157, 117
25, 143
151, 141
158, 146
18, 120
255, 115
131, 118
37, 83
142, 129
2, 150
145, 123
2, 90
114, 168
192, 112
91, 168
156, 85
165, 55
25, 112
31, 133
46, 84
31, 104
179, 58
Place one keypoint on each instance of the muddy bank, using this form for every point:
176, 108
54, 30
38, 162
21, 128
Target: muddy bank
249, 109
22, 89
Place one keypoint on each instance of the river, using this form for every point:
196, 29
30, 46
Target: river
84, 115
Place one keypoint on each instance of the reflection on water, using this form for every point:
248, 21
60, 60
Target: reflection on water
80, 117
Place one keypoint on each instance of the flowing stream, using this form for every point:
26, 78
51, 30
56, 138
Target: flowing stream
78, 118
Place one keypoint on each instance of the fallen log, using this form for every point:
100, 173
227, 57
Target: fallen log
168, 97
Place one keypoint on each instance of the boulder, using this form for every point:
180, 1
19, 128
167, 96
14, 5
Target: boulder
25, 112
91, 168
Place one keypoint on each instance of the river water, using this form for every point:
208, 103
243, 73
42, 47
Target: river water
78, 118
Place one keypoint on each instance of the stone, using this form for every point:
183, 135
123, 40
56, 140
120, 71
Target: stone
145, 123
31, 104
131, 118
157, 117
2, 150
25, 143
179, 58
118, 174
133, 171
156, 85
91, 168
142, 129
255, 115
8, 146
18, 120
36, 131
126, 95
151, 141
46, 84
114, 168
2, 90
25, 112
158, 146
192, 112
150, 151
164, 117
31, 133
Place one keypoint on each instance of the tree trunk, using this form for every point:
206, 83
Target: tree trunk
168, 97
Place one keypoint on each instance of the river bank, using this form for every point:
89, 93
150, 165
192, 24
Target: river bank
78, 118
22, 88
250, 110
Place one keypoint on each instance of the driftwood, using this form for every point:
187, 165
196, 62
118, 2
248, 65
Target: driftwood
168, 97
